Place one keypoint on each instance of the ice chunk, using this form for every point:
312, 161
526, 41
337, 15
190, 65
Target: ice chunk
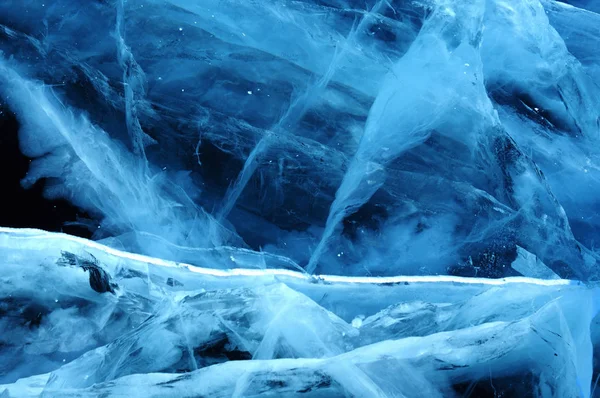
528, 264
416, 98
414, 131
276, 331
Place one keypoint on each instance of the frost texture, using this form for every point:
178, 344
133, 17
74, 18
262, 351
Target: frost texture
338, 137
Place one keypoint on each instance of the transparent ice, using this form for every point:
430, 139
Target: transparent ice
305, 198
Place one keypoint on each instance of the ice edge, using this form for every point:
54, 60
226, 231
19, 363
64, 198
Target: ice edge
29, 233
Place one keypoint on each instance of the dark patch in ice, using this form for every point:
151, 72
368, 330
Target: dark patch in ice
100, 280
173, 282
323, 382
523, 386
220, 348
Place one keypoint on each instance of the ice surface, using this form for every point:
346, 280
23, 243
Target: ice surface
170, 329
374, 198
528, 264
406, 137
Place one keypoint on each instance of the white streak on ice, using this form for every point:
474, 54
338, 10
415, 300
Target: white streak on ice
40, 234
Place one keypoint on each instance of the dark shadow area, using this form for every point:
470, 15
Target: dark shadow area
524, 386
27, 208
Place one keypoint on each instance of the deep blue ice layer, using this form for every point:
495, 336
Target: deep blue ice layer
354, 138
